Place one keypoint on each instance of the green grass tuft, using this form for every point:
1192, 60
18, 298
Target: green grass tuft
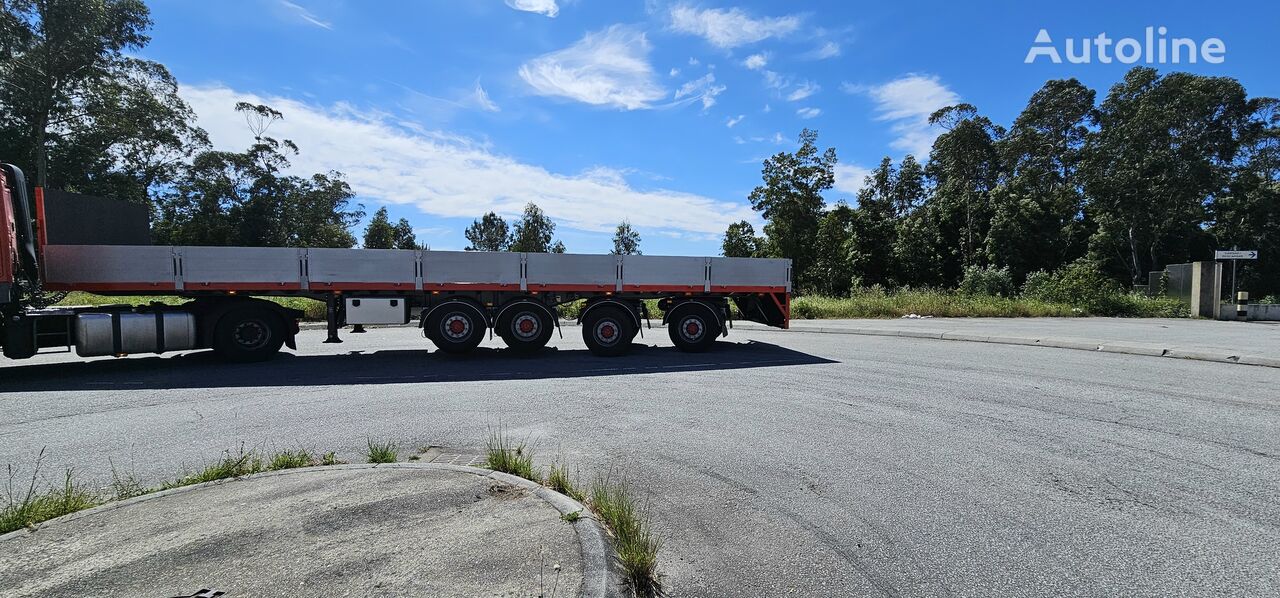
571, 517
634, 540
382, 452
291, 460
231, 465
509, 456
31, 507
558, 480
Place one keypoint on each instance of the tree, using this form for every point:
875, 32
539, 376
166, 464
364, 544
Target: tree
791, 202
740, 241
533, 232
1247, 215
1163, 149
964, 166
872, 227
77, 110
380, 234
626, 241
1037, 220
833, 272
229, 198
404, 236
489, 233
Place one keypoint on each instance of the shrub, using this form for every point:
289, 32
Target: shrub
987, 280
1272, 299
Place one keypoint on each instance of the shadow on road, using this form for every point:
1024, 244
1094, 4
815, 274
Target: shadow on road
204, 370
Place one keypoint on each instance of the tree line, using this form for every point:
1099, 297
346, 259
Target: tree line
1165, 169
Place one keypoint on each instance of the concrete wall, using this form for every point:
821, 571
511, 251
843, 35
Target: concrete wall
1206, 288
1257, 311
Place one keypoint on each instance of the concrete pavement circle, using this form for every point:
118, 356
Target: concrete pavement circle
400, 529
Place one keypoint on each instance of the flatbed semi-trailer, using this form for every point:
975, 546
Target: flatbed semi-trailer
456, 297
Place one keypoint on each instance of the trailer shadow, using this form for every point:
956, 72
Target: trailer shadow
204, 370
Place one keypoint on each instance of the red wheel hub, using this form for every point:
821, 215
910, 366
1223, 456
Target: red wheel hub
607, 331
691, 328
457, 327
526, 326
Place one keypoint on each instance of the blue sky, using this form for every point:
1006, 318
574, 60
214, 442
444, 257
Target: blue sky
655, 111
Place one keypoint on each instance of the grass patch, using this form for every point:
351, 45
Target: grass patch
31, 506
231, 465
509, 456
571, 517
291, 460
313, 310
558, 479
876, 303
382, 452
634, 541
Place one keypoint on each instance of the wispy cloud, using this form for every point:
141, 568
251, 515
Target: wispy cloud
827, 50
906, 103
606, 68
703, 88
805, 90
756, 62
733, 120
542, 7
850, 178
807, 113
306, 15
451, 176
730, 28
481, 99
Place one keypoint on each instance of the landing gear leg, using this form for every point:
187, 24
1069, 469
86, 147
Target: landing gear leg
331, 314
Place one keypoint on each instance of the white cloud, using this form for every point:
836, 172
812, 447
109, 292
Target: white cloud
828, 50
733, 120
675, 72
773, 80
605, 68
730, 28
756, 61
807, 113
481, 99
805, 90
694, 61
306, 15
849, 178
703, 88
542, 7
907, 102
450, 176
767, 109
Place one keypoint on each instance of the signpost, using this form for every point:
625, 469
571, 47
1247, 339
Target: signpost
1235, 255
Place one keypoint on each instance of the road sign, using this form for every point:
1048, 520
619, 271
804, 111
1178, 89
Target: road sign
1251, 254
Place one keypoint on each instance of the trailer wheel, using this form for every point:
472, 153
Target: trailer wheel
456, 327
525, 329
693, 330
248, 334
607, 331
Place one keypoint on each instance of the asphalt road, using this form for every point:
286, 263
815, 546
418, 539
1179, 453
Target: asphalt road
781, 462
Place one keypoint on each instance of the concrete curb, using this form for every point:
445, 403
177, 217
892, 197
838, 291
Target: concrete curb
1128, 348
599, 576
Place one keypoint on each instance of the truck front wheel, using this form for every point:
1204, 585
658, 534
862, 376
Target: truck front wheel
248, 334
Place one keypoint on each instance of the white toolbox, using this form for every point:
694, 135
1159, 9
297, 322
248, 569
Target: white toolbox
377, 310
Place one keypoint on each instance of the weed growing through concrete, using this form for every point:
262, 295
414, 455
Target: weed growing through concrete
32, 506
634, 541
558, 480
291, 460
125, 485
231, 465
509, 456
571, 517
382, 452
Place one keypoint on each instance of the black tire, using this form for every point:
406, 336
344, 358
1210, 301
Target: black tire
607, 331
525, 328
456, 327
693, 330
248, 334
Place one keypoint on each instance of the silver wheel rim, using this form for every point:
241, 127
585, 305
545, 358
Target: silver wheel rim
251, 334
607, 332
692, 329
526, 326
456, 327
